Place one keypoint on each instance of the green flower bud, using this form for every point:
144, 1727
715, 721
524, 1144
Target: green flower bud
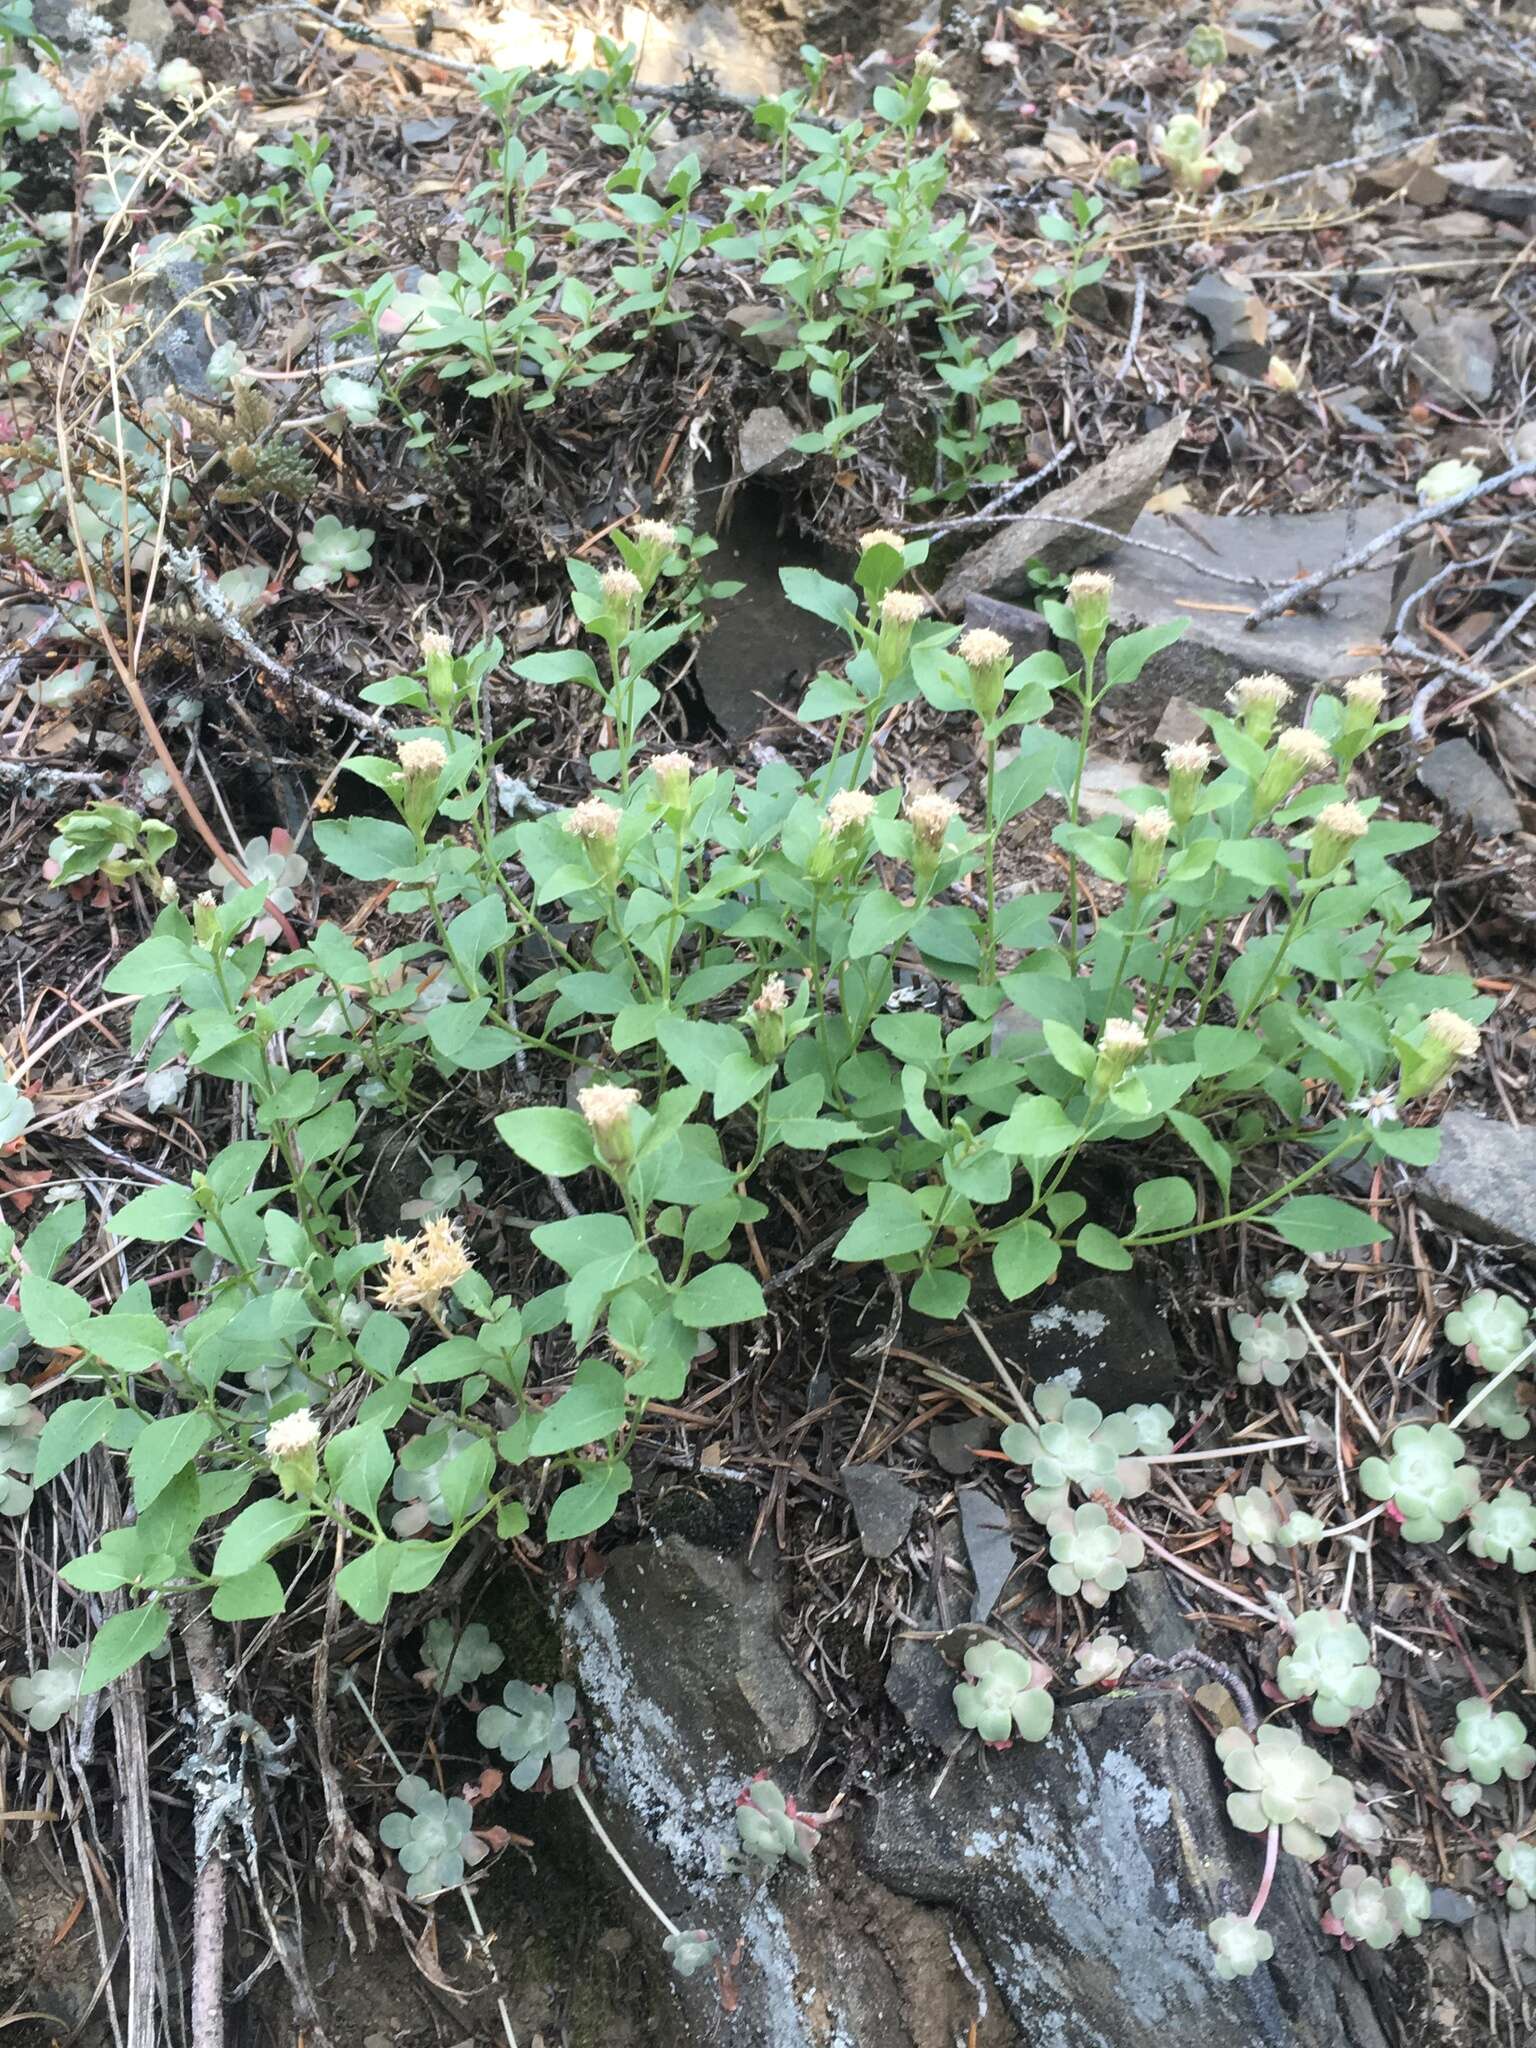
437, 653
606, 1110
1121, 1043
1089, 596
1446, 1040
767, 1016
900, 611
1298, 752
1186, 765
987, 655
596, 825
1149, 836
1258, 702
1338, 830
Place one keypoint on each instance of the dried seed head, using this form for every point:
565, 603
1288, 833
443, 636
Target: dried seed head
421, 758
982, 648
1344, 821
879, 537
422, 1269
849, 811
773, 1000
902, 608
605, 1107
1366, 694
1305, 749
291, 1435
1266, 692
1123, 1034
592, 822
929, 816
1459, 1038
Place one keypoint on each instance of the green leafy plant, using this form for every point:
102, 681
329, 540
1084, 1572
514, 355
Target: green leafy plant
331, 551
1078, 234
20, 1423
1282, 1783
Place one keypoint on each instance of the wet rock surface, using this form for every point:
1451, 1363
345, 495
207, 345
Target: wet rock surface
1088, 1866
676, 1651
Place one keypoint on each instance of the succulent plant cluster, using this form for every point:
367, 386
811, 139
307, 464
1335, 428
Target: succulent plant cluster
1367, 1910
1488, 1743
1077, 1445
1092, 1556
1494, 1329
419, 1476
1330, 1665
46, 1695
20, 1423
690, 1950
1516, 1864
1102, 1659
1003, 1695
1424, 1479
433, 1836
1503, 1529
531, 1729
1282, 1783
771, 1828
457, 1658
1240, 1944
1267, 1347
1255, 1521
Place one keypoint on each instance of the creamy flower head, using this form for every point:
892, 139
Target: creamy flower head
849, 811
421, 758
1189, 757
925, 64
1366, 693
621, 586
982, 648
1344, 821
421, 1269
671, 767
1458, 1037
773, 1000
880, 537
292, 1435
1152, 826
434, 645
605, 1107
1123, 1034
592, 819
1306, 748
1091, 584
929, 816
902, 607
1249, 692
654, 532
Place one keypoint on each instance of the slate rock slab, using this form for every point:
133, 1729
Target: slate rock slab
883, 1507
1110, 494
1456, 360
1308, 648
1484, 1182
677, 1656
1088, 1866
1470, 789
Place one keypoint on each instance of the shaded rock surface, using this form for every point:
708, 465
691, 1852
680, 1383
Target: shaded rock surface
1484, 1182
1107, 1330
1110, 494
1470, 789
1307, 648
676, 1651
1088, 1866
883, 1507
1456, 359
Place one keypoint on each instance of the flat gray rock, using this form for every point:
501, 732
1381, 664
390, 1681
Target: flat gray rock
1470, 789
766, 443
883, 1507
1307, 648
1110, 494
1456, 360
1484, 1182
